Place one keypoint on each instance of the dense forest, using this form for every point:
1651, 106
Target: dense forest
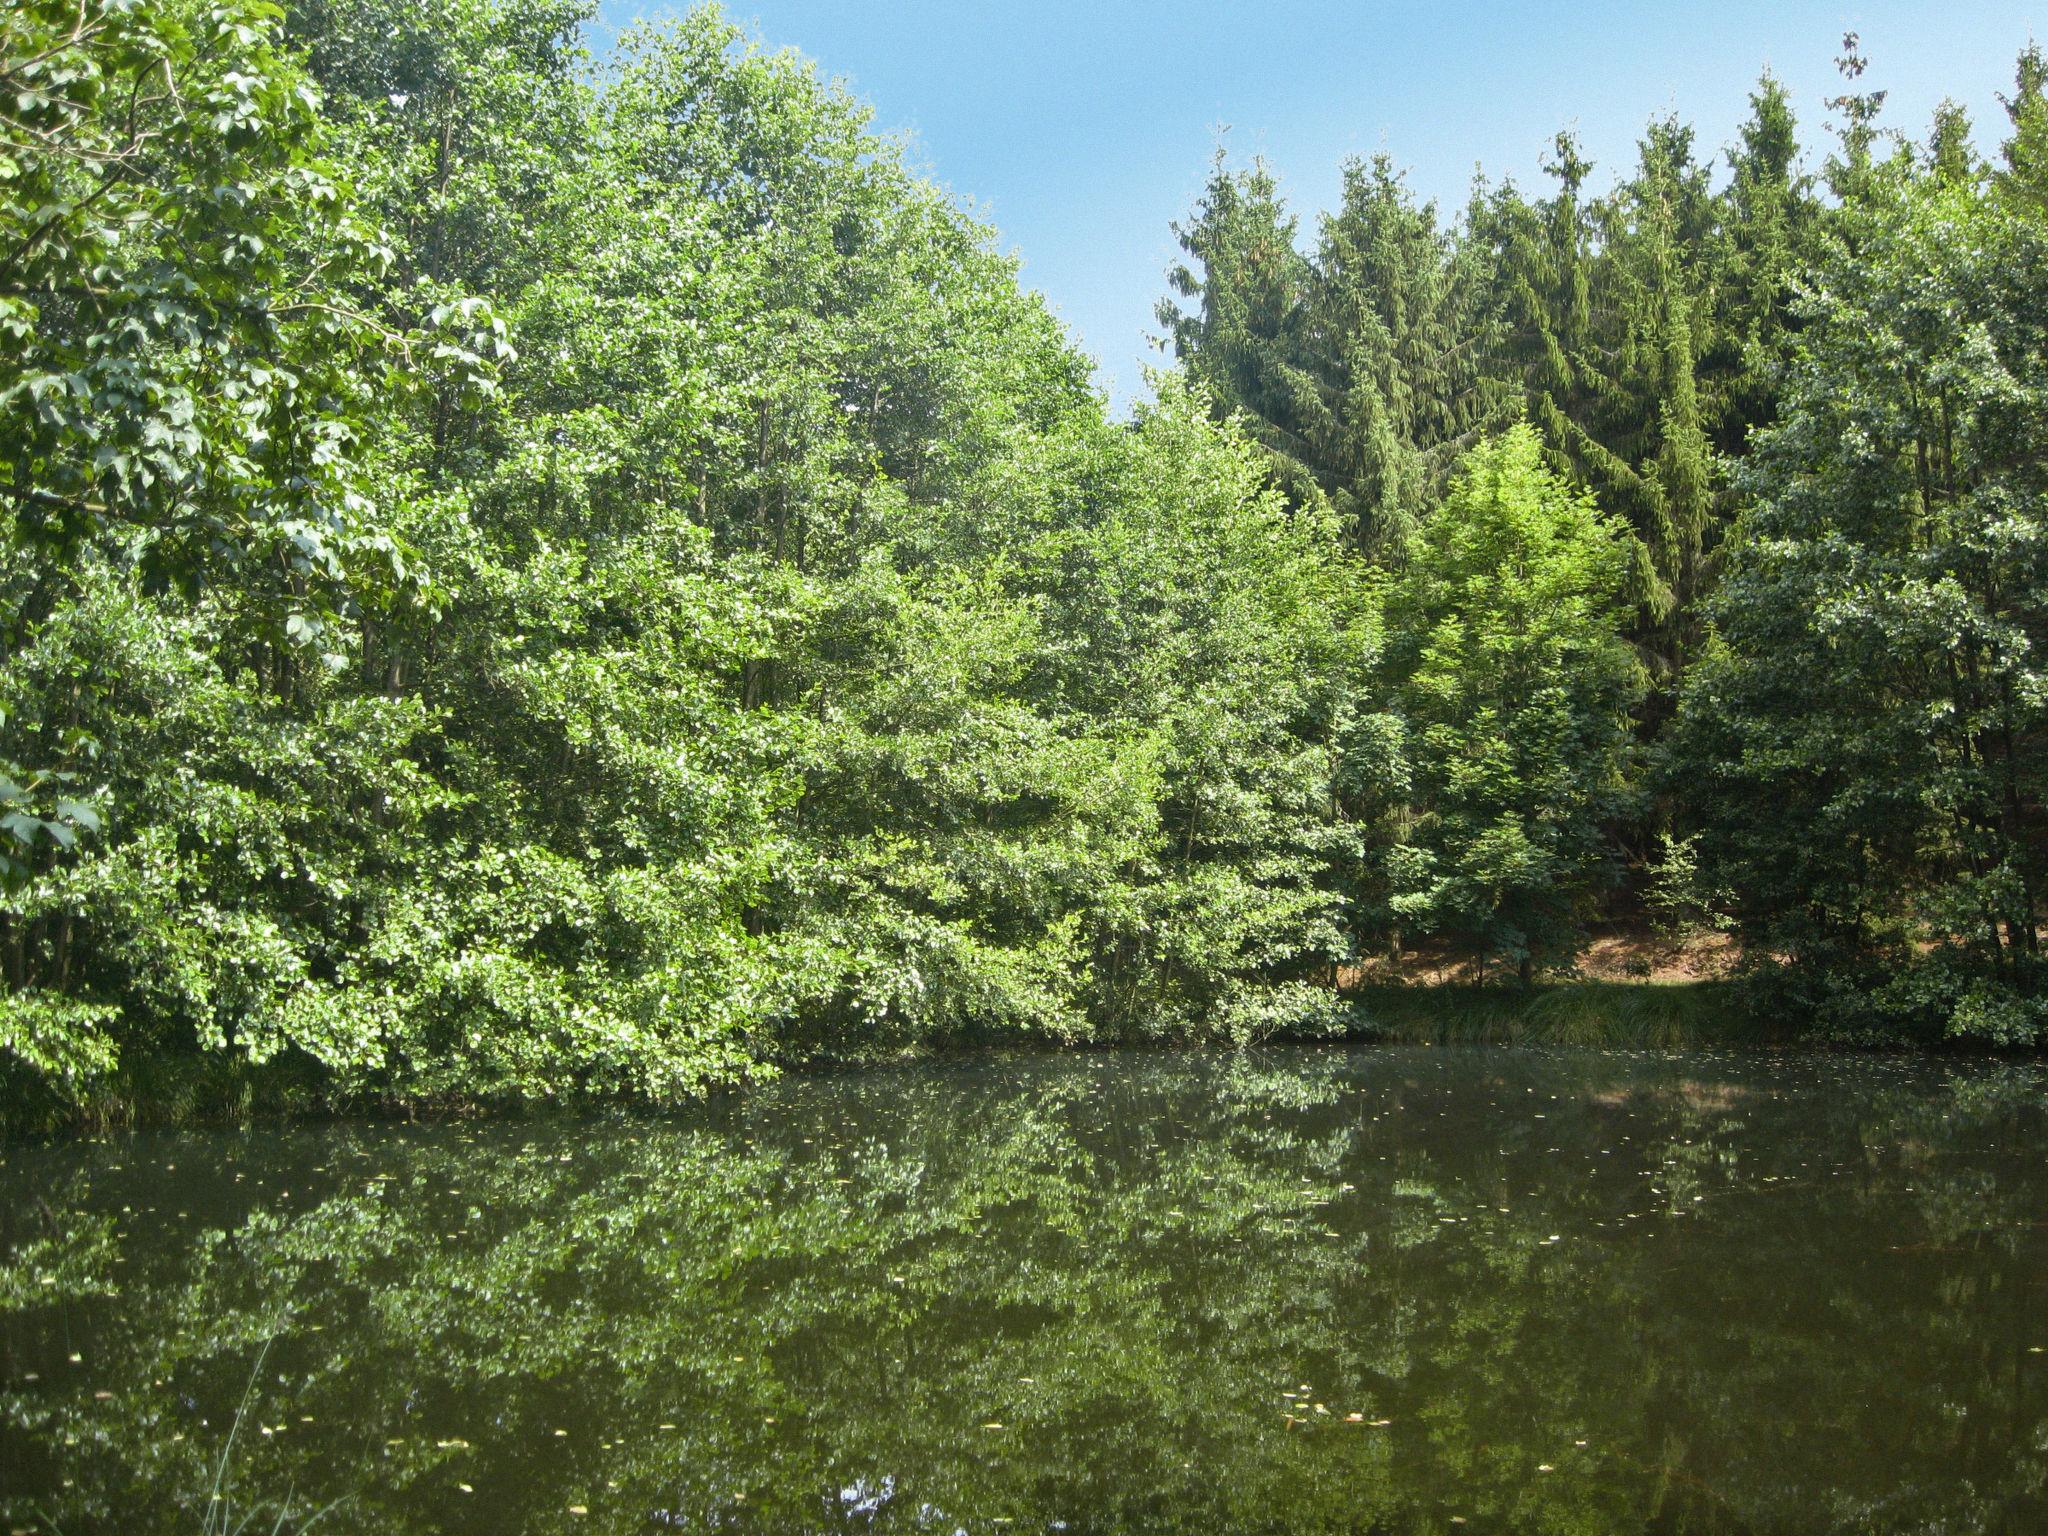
525, 576
1744, 638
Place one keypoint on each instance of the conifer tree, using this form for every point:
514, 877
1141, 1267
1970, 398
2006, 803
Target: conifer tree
1358, 370
1601, 310
2025, 153
1395, 345
1766, 223
1237, 321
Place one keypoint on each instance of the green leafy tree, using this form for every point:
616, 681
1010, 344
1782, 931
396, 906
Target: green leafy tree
1516, 691
184, 377
788, 655
1861, 748
186, 386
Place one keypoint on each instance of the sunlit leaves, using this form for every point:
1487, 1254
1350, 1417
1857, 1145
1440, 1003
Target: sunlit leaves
1861, 747
1515, 690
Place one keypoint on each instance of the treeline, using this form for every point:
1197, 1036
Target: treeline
1812, 407
523, 577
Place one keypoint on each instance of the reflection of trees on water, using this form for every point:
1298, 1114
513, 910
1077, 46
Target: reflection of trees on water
1304, 1291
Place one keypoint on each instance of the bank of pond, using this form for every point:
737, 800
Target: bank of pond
191, 1087
1300, 1288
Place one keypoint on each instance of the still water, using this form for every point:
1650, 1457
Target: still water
1338, 1290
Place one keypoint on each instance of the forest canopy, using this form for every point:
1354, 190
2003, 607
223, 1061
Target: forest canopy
525, 576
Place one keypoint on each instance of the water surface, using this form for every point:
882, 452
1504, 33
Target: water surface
1338, 1290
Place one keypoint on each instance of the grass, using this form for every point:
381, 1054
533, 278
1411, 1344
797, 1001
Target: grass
1646, 1015
219, 1517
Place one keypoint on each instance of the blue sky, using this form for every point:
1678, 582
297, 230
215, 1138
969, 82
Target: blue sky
1081, 130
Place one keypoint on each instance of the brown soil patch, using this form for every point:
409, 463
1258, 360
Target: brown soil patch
1614, 954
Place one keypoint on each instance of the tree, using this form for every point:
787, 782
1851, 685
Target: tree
1516, 690
1763, 242
789, 654
1245, 338
1861, 748
184, 395
1357, 369
1604, 319
1397, 346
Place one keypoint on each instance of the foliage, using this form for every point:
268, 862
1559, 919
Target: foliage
623, 589
1354, 369
1516, 690
783, 653
1810, 401
1862, 746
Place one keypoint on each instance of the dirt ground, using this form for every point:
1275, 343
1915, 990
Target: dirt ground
1614, 954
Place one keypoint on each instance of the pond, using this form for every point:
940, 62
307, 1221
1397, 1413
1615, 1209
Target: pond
1306, 1289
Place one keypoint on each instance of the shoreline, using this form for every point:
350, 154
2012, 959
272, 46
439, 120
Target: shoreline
192, 1090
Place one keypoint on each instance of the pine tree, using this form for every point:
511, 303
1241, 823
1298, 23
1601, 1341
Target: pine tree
1602, 306
1766, 225
2026, 153
1242, 332
1395, 346
1540, 266
1359, 370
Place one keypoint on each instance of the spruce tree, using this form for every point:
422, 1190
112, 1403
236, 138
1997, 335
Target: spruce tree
1238, 319
1766, 223
1392, 330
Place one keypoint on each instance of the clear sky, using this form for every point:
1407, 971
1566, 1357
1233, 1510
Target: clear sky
1083, 128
